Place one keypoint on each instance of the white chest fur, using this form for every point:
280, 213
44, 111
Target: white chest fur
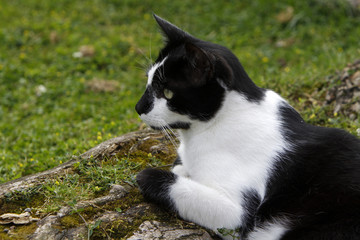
236, 150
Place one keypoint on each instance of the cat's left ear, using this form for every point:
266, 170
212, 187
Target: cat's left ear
171, 32
200, 62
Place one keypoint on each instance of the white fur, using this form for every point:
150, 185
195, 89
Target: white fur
161, 115
224, 158
152, 70
205, 205
232, 153
271, 231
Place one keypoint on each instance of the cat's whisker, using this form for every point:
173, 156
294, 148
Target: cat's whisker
172, 132
171, 136
151, 61
163, 72
141, 66
163, 129
148, 59
168, 133
171, 139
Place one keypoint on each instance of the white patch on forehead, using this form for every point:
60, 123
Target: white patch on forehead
153, 70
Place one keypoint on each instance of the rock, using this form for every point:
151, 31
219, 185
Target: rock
154, 230
27, 210
116, 192
79, 233
46, 229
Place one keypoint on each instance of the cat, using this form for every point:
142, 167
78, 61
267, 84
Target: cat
246, 160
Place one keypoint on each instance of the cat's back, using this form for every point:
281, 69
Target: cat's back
318, 181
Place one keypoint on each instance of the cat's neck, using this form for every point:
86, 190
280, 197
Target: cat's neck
241, 119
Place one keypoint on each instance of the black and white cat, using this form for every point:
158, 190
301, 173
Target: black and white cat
246, 159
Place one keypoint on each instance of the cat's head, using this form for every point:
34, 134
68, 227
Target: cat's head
189, 80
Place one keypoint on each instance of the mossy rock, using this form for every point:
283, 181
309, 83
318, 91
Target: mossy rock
101, 213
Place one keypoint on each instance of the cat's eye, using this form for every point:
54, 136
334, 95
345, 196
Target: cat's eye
168, 94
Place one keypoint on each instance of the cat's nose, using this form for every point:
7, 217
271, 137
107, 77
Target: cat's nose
145, 103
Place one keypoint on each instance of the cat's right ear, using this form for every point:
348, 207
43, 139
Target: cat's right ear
200, 62
171, 32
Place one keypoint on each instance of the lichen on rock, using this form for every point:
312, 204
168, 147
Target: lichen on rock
154, 230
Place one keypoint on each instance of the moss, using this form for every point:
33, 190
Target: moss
75, 220
16, 202
143, 148
19, 232
71, 221
131, 199
126, 225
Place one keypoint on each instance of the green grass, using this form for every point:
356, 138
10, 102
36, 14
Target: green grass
38, 38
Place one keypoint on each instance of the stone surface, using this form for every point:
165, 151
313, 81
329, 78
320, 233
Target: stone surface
154, 230
116, 192
48, 227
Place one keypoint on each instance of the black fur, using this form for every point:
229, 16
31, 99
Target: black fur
252, 200
146, 102
154, 185
224, 62
317, 185
177, 161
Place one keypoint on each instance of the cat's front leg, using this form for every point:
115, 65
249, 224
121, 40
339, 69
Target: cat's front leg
193, 201
155, 185
178, 168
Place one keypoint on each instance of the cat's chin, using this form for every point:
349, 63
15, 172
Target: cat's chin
176, 125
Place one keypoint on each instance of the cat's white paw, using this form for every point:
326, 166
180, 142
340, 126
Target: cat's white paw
180, 171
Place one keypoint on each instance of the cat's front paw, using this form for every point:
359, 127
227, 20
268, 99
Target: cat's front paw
180, 171
155, 184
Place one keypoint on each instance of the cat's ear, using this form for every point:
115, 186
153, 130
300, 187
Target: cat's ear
171, 32
200, 62
205, 65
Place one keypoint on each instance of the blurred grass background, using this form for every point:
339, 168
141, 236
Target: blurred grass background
71, 72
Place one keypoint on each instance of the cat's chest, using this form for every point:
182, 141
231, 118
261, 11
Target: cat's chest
222, 164
237, 150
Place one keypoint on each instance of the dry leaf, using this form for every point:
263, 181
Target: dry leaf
87, 50
54, 38
100, 85
285, 42
286, 15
